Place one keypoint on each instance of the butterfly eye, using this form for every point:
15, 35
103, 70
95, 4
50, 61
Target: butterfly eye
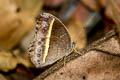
74, 45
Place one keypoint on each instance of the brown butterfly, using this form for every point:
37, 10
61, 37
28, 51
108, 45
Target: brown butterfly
51, 42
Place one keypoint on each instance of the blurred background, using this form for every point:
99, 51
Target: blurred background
86, 21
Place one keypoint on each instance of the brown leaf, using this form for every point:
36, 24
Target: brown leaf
109, 12
16, 20
9, 61
113, 11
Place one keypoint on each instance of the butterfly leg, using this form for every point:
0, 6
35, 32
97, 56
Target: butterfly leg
64, 60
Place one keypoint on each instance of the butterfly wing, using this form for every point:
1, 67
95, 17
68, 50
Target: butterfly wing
59, 41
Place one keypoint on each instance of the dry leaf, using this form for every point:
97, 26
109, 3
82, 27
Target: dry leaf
8, 61
16, 20
113, 11
109, 11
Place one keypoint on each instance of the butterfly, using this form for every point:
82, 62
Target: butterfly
51, 41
